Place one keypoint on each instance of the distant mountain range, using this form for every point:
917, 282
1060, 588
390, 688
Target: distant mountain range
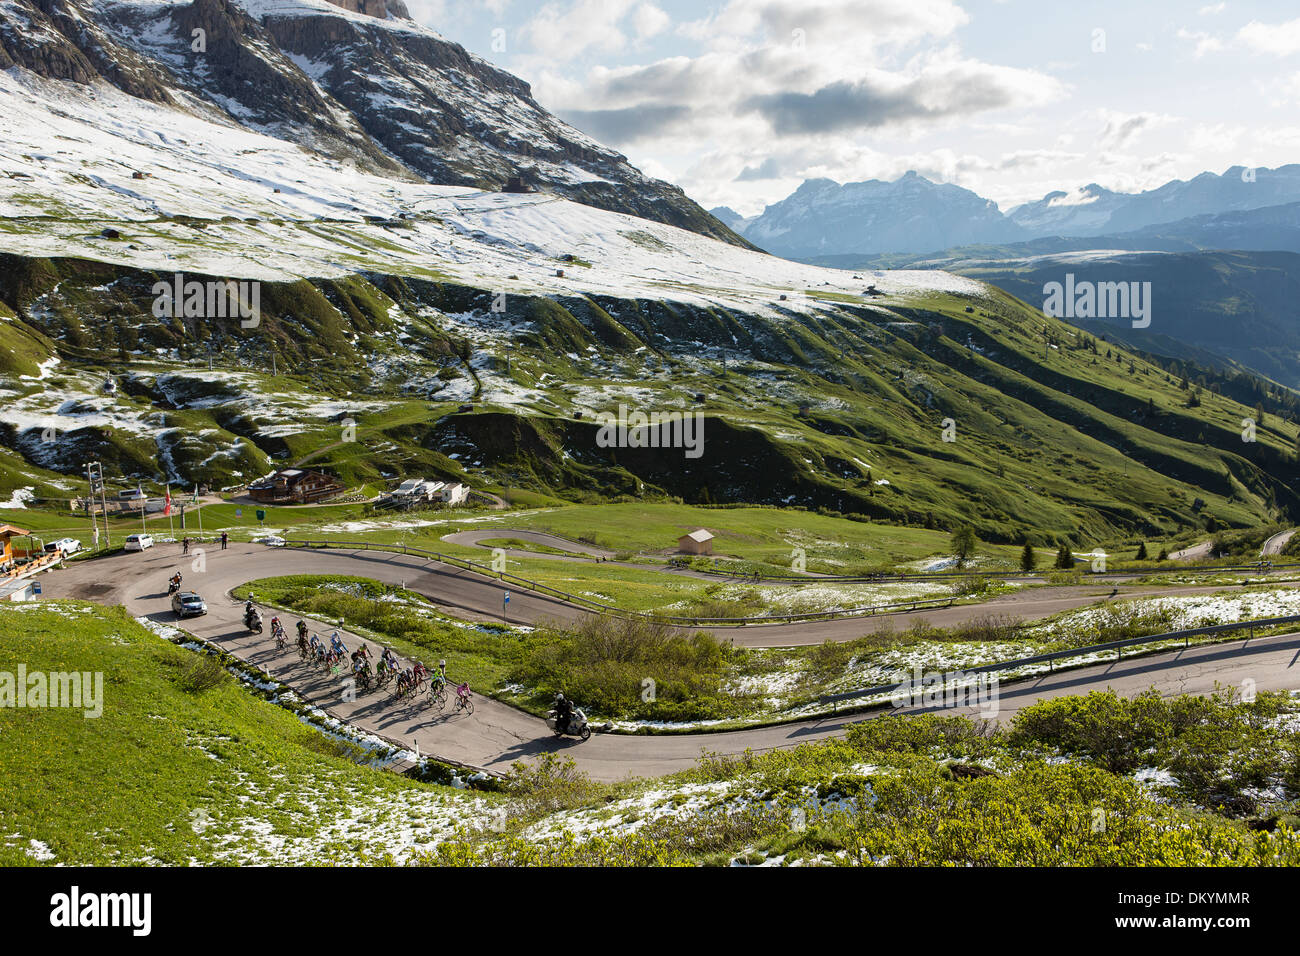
829, 223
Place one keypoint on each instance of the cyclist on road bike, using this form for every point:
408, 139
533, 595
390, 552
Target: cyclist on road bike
302, 629
438, 679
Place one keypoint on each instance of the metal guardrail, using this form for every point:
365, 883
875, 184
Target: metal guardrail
1049, 659
577, 599
888, 576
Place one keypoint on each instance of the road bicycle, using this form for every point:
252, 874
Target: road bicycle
438, 694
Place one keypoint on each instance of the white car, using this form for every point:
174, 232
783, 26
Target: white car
138, 542
270, 540
66, 545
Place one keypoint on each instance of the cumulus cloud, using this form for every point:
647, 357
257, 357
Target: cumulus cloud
650, 21
627, 124
1279, 39
557, 31
959, 89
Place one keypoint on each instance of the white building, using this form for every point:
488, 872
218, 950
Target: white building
418, 489
453, 494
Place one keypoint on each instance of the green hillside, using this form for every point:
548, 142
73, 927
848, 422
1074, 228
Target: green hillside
843, 407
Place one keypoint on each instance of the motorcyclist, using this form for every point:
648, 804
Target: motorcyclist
563, 713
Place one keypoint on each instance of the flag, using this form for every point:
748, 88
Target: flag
167, 509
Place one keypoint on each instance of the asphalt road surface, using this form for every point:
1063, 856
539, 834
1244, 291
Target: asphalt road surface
497, 735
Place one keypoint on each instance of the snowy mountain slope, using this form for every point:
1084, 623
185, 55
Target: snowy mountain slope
221, 200
388, 94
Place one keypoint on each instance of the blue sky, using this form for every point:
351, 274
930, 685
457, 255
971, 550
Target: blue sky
739, 101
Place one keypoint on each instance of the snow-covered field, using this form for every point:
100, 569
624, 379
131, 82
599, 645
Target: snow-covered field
1187, 612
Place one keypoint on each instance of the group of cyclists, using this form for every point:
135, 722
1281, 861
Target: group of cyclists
409, 682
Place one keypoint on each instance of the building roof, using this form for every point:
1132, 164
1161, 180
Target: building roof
700, 535
8, 530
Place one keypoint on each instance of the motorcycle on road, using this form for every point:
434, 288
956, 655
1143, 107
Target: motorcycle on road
577, 725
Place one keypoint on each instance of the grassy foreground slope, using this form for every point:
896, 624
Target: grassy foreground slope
186, 766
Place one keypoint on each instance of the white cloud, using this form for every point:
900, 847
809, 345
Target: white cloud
1279, 39
558, 33
1120, 130
1205, 42
650, 21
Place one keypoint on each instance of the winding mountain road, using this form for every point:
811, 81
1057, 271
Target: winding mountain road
498, 735
1276, 544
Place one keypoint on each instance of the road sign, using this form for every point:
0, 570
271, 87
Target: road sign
36, 587
506, 599
261, 515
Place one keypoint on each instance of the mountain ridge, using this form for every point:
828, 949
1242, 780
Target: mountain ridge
386, 94
920, 215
